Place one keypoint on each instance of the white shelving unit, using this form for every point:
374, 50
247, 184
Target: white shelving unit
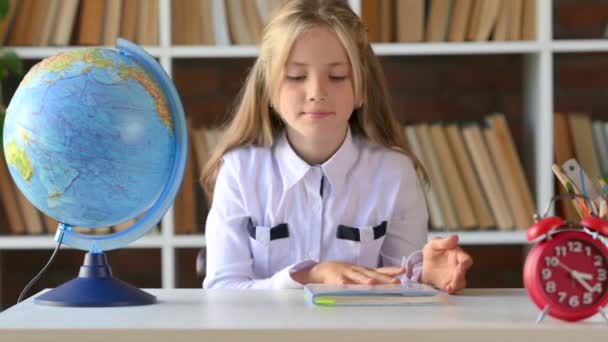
538, 58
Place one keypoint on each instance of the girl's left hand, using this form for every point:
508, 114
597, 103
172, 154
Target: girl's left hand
444, 264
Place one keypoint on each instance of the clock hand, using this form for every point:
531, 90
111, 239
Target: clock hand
578, 276
564, 266
583, 275
582, 281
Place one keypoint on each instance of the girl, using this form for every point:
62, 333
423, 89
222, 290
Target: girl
313, 181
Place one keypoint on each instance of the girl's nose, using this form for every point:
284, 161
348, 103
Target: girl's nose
317, 90
317, 98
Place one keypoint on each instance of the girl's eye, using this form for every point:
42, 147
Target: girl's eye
337, 78
295, 78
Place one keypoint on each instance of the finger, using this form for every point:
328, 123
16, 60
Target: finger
378, 277
464, 259
458, 281
358, 277
442, 244
457, 285
390, 270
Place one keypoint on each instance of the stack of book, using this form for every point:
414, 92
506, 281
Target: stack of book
476, 177
449, 20
80, 22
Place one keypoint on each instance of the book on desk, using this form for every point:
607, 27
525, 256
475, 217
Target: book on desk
406, 293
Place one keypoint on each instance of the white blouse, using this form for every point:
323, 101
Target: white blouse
274, 214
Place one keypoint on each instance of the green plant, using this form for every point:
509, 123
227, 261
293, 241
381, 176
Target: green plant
10, 63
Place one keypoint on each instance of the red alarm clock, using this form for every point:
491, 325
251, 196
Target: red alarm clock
566, 272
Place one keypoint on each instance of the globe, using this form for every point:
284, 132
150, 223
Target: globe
94, 137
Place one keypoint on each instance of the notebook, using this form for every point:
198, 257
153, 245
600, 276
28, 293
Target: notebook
406, 293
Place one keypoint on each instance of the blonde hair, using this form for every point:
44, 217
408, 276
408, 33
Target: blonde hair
254, 122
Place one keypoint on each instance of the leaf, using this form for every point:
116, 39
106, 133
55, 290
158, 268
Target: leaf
11, 62
4, 8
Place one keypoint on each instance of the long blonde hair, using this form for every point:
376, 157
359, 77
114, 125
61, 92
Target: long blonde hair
254, 122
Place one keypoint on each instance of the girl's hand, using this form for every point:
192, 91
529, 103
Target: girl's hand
444, 264
333, 272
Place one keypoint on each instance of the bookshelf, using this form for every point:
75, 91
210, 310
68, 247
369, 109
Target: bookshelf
537, 55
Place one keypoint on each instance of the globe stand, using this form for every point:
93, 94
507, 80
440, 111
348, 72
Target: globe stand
95, 287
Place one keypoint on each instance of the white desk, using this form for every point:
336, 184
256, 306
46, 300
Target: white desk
260, 315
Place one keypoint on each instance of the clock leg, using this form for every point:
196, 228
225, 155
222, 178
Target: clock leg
542, 315
604, 314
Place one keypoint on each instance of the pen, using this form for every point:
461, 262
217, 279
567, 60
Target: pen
603, 186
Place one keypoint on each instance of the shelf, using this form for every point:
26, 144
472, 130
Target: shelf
468, 48
212, 51
249, 51
486, 237
48, 242
198, 241
189, 241
384, 49
381, 49
34, 52
580, 45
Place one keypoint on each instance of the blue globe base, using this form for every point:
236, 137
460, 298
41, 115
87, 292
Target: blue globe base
95, 287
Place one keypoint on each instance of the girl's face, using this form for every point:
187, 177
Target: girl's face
315, 94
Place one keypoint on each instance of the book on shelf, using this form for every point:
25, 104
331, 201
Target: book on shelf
188, 28
91, 22
528, 27
411, 23
453, 178
62, 32
386, 21
49, 16
487, 13
584, 148
506, 174
464, 164
185, 202
254, 23
147, 22
563, 150
10, 205
438, 20
128, 20
461, 12
601, 145
111, 22
486, 170
406, 293
515, 19
432, 201
370, 16
438, 182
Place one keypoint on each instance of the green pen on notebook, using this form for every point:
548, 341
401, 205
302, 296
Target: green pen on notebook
325, 301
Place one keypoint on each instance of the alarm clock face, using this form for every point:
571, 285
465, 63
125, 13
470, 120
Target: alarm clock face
570, 275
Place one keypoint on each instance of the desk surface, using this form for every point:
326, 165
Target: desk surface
264, 315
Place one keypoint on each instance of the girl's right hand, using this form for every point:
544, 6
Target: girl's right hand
334, 272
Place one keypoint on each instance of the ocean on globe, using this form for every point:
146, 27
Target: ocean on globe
88, 137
